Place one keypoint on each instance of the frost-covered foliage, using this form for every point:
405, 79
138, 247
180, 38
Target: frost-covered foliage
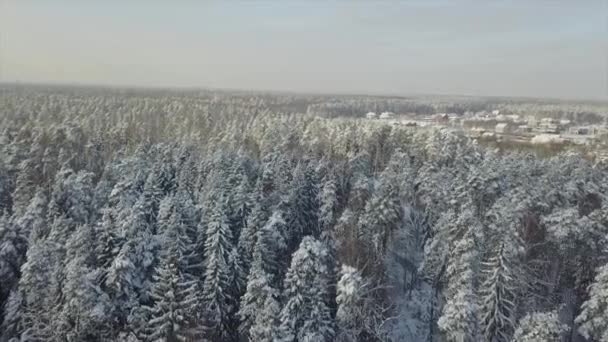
593, 319
359, 315
306, 316
539, 327
212, 216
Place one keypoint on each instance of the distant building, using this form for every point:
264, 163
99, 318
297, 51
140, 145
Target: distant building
495, 112
524, 129
371, 115
577, 139
503, 128
387, 115
549, 121
548, 125
580, 130
481, 114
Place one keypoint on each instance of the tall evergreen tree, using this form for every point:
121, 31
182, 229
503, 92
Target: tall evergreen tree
593, 319
256, 219
499, 297
85, 313
303, 205
359, 316
13, 245
381, 217
216, 285
173, 316
459, 317
259, 306
306, 316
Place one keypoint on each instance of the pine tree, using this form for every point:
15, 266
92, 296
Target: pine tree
358, 316
259, 307
174, 292
458, 320
349, 299
13, 246
123, 285
238, 282
144, 245
216, 285
25, 184
256, 219
6, 189
305, 315
108, 243
381, 217
271, 247
240, 205
87, 307
33, 221
263, 279
152, 195
499, 296
72, 196
39, 287
302, 219
189, 216
328, 199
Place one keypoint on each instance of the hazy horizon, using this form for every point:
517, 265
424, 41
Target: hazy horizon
555, 49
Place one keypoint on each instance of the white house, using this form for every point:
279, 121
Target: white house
387, 115
371, 115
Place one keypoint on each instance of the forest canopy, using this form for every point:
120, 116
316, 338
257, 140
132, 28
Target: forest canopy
167, 216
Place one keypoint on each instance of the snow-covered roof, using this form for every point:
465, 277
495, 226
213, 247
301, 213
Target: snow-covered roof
547, 138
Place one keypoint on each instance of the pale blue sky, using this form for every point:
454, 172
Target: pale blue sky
554, 48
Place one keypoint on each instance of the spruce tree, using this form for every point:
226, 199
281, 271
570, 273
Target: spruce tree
499, 297
306, 316
173, 315
259, 306
85, 313
217, 311
459, 317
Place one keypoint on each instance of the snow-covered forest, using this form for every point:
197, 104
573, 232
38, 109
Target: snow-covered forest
162, 216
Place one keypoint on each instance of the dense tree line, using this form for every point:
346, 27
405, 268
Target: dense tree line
164, 217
